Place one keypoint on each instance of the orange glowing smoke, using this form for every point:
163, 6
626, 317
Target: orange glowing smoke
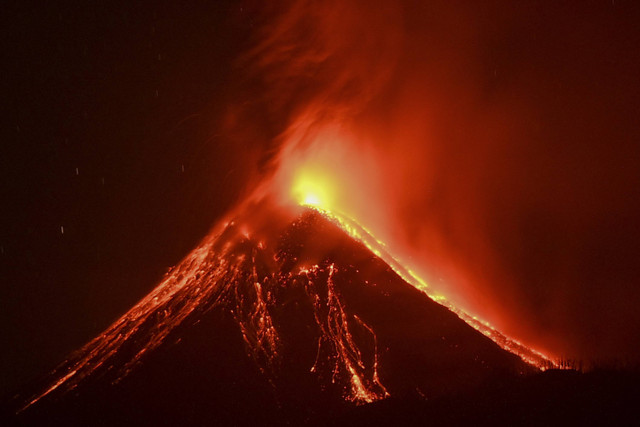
320, 175
383, 117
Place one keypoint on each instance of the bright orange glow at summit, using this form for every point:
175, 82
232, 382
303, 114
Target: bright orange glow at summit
313, 186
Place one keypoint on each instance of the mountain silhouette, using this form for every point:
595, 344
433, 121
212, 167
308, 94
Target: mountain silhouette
272, 318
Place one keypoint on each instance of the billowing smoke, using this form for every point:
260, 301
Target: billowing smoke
492, 146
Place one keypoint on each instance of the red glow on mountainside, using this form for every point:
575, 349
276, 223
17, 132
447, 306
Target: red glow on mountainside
323, 169
385, 116
234, 272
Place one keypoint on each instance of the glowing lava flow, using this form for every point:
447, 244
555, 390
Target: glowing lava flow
312, 173
237, 275
364, 236
335, 332
232, 272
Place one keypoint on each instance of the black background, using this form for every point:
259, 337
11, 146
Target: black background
129, 96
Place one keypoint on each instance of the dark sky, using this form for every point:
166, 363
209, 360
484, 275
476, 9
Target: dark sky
110, 130
117, 157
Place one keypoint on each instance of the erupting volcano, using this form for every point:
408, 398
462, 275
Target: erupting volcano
317, 311
389, 211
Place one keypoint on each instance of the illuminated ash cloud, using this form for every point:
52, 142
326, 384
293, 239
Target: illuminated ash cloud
480, 142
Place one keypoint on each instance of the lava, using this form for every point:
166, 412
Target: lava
235, 269
305, 177
336, 333
362, 235
232, 272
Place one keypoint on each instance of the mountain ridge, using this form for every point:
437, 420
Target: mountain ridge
313, 318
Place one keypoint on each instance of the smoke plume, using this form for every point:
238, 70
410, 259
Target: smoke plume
491, 146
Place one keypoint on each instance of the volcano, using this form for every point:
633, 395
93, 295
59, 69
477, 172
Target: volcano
273, 316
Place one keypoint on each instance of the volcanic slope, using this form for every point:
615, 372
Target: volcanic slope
297, 322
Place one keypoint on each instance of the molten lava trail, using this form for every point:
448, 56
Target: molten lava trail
364, 236
231, 271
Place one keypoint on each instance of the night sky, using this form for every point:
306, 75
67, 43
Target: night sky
109, 126
122, 143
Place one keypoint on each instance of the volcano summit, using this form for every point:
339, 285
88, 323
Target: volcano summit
268, 317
